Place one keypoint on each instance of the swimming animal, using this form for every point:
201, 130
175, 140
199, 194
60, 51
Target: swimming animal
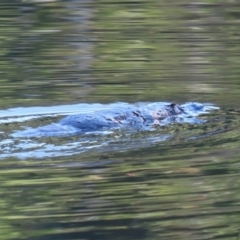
140, 116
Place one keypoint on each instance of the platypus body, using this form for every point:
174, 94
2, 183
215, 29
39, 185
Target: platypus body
140, 116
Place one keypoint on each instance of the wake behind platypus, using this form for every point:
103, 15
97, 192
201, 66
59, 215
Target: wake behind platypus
141, 116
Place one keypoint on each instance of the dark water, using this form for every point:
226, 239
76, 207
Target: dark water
179, 182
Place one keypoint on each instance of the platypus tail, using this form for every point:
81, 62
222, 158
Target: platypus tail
50, 130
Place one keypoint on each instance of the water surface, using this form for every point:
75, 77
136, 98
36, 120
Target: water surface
180, 182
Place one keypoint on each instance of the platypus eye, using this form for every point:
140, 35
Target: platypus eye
176, 108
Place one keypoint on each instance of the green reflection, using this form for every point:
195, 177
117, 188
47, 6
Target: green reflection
143, 50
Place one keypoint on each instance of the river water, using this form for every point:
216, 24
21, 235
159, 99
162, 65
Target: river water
64, 57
